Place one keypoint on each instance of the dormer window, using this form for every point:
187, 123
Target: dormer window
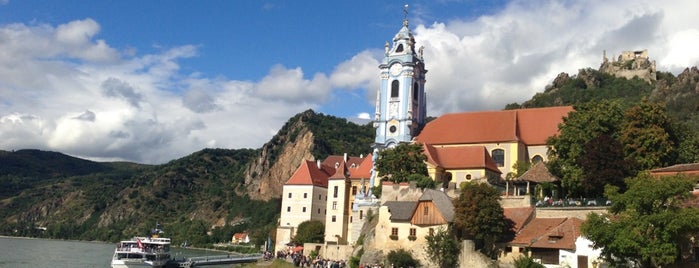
399, 48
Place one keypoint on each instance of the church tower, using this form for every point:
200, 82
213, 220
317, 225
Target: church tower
400, 102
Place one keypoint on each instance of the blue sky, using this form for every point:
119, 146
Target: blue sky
152, 81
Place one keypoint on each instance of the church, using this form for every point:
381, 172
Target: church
460, 147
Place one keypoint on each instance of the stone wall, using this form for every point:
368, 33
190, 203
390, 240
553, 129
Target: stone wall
471, 258
572, 212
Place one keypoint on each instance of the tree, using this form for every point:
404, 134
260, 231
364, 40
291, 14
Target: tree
479, 216
443, 248
525, 261
579, 128
312, 231
397, 164
604, 163
402, 258
646, 223
646, 133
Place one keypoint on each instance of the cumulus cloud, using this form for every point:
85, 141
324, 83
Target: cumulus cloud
136, 108
508, 56
64, 89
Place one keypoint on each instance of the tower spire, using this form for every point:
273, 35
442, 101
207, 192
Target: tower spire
405, 15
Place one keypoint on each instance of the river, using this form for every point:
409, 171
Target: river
40, 253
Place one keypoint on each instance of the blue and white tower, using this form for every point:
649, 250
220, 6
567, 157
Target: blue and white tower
400, 102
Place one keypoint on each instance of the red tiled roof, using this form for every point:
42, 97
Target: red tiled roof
538, 124
362, 169
530, 126
240, 236
688, 169
460, 157
559, 233
309, 174
520, 216
340, 172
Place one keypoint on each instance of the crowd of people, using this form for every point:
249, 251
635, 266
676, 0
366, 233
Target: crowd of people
300, 260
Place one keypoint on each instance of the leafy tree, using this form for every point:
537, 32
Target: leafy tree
398, 163
646, 223
402, 258
525, 261
443, 248
310, 232
646, 133
587, 122
604, 164
479, 216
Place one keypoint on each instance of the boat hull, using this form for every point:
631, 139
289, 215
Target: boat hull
136, 263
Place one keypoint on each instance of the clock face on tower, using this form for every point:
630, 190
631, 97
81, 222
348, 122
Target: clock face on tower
396, 68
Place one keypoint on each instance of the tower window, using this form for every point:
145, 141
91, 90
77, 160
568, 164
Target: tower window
335, 191
334, 219
288, 209
499, 157
394, 88
415, 91
304, 209
334, 205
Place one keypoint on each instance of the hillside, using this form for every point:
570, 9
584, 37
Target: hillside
220, 191
679, 93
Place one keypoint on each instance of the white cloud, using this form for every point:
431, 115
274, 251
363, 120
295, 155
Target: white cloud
63, 89
488, 62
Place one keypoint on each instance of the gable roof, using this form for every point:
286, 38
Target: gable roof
240, 236
535, 125
308, 173
557, 233
461, 157
538, 173
520, 216
401, 210
362, 169
441, 201
530, 126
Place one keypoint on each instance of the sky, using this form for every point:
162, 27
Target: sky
153, 81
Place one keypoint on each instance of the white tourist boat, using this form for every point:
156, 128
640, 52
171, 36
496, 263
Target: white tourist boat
142, 252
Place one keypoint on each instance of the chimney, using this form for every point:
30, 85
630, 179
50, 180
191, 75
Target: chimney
361, 156
318, 163
345, 157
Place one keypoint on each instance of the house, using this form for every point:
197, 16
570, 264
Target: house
404, 223
240, 238
555, 242
324, 191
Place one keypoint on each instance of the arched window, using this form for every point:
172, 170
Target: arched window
394, 88
399, 48
415, 91
499, 157
536, 159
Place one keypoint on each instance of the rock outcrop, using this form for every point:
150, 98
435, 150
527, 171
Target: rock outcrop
278, 160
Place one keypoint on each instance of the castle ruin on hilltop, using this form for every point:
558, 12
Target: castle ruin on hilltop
630, 64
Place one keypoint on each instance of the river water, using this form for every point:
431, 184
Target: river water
40, 253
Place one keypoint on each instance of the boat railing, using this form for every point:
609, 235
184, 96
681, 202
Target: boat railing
141, 250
